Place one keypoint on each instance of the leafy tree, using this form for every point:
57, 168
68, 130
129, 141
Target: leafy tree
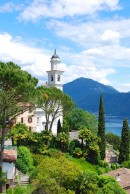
114, 140
50, 187
25, 160
16, 86
124, 146
39, 142
87, 183
112, 188
56, 172
54, 103
91, 183
109, 185
78, 119
75, 143
101, 129
90, 144
19, 133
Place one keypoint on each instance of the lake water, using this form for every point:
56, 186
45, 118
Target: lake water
114, 124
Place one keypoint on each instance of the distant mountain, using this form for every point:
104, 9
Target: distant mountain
86, 93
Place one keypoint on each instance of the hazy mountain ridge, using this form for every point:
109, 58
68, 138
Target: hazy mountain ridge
86, 93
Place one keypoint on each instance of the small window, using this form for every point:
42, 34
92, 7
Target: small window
58, 78
51, 78
37, 120
30, 120
22, 120
30, 128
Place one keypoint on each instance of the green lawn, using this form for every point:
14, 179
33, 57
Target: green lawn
84, 165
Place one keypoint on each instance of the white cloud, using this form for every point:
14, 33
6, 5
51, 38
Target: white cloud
9, 7
82, 65
124, 87
36, 61
97, 32
110, 53
61, 8
110, 35
73, 72
33, 60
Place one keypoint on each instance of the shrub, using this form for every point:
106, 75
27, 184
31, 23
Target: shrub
54, 153
114, 166
102, 167
102, 163
77, 152
2, 177
20, 190
126, 164
20, 164
74, 144
25, 160
109, 185
68, 156
37, 159
57, 172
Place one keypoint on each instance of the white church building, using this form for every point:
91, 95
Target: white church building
35, 120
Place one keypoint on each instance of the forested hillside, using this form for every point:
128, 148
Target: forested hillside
86, 93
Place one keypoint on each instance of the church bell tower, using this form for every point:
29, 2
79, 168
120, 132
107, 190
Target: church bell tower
55, 74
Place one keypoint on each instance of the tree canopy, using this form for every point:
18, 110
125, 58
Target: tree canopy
60, 172
18, 133
90, 145
114, 140
54, 103
16, 86
16, 90
78, 119
89, 182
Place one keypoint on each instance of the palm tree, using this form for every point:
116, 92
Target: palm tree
63, 139
19, 133
84, 135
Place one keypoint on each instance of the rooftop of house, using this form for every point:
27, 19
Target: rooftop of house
10, 155
122, 175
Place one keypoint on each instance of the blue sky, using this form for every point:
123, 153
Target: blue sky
92, 38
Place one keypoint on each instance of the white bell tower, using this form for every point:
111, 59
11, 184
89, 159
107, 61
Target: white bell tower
55, 74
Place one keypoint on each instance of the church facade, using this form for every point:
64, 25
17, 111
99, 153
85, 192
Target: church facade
35, 120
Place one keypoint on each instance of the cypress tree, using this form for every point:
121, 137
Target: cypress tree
101, 129
59, 128
124, 146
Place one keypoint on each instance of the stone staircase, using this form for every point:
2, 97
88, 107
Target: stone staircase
21, 178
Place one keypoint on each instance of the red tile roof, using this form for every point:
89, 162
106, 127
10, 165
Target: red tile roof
122, 175
9, 155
